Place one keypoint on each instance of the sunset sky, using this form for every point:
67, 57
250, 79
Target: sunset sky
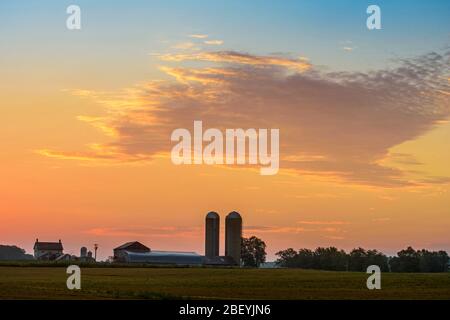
86, 117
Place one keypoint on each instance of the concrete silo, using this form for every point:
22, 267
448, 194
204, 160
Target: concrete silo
212, 232
83, 252
233, 235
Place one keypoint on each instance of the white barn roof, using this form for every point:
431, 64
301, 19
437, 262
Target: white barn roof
164, 257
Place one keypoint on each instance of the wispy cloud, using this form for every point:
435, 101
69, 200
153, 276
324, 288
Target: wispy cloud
198, 36
385, 219
325, 231
233, 57
213, 42
348, 45
403, 158
316, 222
145, 232
273, 229
184, 45
335, 237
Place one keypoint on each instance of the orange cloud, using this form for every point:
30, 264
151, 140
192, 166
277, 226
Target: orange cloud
337, 126
299, 65
323, 222
327, 232
146, 232
273, 229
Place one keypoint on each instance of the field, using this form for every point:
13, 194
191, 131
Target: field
212, 283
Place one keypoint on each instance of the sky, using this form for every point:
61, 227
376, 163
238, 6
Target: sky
86, 118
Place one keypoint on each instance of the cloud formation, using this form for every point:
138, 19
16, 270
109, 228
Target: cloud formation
184, 45
233, 57
145, 232
325, 231
339, 125
198, 36
213, 42
315, 222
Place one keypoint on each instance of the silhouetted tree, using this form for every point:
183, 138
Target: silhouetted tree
360, 259
375, 257
322, 258
253, 252
305, 259
432, 261
330, 259
357, 260
287, 258
407, 260
444, 261
13, 253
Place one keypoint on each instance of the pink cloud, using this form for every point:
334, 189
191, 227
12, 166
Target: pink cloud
345, 122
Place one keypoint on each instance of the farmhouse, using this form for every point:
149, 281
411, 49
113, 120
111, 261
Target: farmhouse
47, 250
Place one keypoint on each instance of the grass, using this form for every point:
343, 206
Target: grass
45, 282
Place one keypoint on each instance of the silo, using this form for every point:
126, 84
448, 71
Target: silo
233, 235
83, 252
212, 232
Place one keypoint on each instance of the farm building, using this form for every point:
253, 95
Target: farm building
47, 250
219, 261
129, 247
66, 257
164, 257
136, 252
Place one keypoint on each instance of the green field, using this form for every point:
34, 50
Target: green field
212, 283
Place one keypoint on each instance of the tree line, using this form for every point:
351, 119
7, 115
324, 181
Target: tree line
333, 259
13, 253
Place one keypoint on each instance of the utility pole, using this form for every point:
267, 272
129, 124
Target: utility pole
95, 251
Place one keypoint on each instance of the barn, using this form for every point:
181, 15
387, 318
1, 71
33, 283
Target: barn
120, 252
164, 257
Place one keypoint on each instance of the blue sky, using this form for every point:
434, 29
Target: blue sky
315, 29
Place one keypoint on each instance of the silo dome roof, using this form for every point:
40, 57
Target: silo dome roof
212, 215
234, 215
